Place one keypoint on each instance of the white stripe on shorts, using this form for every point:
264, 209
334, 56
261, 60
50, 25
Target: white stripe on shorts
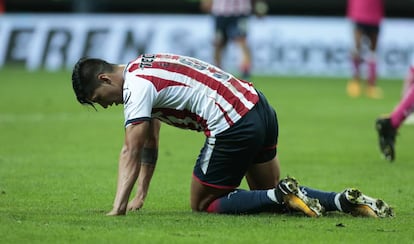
211, 142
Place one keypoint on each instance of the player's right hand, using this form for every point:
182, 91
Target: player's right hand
115, 212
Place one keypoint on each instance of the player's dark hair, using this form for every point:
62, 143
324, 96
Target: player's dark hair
85, 77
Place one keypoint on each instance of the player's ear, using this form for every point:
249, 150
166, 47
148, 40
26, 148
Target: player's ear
104, 77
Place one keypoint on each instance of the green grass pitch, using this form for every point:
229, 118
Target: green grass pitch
58, 168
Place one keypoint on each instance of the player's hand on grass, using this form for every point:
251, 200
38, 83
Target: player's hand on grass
135, 204
115, 212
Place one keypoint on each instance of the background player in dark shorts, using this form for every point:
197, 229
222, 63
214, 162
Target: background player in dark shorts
366, 17
230, 24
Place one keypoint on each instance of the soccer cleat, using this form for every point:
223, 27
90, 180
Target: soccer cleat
356, 203
386, 137
294, 199
353, 88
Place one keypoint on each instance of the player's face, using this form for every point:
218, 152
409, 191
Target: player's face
107, 95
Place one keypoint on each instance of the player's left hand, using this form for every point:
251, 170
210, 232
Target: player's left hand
115, 212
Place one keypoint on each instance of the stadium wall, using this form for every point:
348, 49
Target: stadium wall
287, 45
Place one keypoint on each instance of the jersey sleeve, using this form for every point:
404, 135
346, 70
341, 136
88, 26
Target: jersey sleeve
139, 96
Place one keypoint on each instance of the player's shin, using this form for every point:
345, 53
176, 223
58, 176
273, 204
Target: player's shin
242, 202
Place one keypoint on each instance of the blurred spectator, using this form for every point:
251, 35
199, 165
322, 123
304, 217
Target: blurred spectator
230, 17
366, 16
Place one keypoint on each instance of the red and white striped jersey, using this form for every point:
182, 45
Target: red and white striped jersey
231, 7
184, 92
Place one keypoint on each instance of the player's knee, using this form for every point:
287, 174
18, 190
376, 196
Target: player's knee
202, 205
197, 207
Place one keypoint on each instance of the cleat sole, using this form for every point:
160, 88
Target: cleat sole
367, 206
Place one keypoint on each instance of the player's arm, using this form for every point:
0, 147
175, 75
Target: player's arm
129, 165
149, 158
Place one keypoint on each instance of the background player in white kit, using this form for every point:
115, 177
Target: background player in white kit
241, 131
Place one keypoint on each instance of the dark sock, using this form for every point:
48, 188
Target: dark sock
326, 199
242, 202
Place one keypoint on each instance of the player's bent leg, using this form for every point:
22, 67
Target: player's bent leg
227, 201
231, 201
202, 195
264, 175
